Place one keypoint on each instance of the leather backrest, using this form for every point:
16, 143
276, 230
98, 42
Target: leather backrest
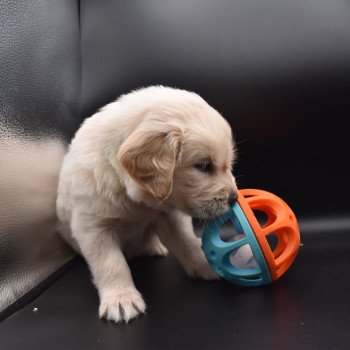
40, 81
279, 71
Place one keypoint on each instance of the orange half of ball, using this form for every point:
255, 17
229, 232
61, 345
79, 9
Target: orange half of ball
281, 222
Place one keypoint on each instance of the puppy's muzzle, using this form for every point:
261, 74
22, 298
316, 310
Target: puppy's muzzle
232, 198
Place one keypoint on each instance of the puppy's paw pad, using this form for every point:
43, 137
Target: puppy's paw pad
122, 306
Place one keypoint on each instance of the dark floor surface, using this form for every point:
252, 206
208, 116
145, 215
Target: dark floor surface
308, 308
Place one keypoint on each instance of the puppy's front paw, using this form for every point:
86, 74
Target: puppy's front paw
122, 305
202, 269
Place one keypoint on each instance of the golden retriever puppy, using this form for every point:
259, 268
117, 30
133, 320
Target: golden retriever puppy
134, 175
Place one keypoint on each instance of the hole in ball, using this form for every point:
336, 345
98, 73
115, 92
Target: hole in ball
213, 255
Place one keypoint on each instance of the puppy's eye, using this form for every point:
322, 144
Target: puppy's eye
204, 166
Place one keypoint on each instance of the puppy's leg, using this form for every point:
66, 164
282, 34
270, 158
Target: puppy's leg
119, 299
150, 245
176, 232
153, 246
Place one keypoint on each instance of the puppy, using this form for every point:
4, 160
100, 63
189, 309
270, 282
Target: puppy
134, 175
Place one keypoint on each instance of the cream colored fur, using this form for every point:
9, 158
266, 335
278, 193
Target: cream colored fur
130, 183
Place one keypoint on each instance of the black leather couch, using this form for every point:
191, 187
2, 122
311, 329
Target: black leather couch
279, 71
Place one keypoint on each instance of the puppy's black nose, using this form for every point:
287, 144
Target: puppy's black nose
232, 198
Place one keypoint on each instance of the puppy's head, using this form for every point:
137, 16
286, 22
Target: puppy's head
184, 159
203, 184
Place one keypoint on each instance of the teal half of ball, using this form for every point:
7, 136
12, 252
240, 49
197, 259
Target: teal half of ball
239, 259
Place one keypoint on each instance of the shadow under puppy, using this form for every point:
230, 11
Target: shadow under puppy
134, 174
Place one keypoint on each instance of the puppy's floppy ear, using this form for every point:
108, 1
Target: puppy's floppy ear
149, 156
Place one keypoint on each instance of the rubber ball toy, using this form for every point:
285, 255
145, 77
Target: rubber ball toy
246, 251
